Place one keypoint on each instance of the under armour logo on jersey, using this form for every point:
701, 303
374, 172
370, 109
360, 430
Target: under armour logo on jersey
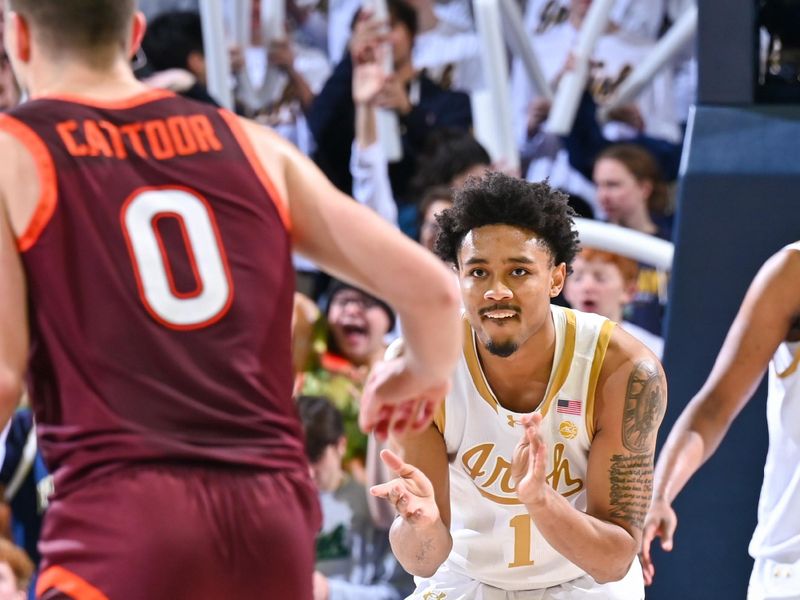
512, 422
434, 596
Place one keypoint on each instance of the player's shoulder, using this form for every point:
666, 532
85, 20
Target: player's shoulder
628, 357
789, 257
777, 280
22, 150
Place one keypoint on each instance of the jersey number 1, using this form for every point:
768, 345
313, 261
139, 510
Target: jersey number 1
213, 292
521, 524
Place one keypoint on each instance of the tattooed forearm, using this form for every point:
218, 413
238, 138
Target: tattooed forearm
645, 403
631, 479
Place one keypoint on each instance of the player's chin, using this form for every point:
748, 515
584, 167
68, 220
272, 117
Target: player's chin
502, 346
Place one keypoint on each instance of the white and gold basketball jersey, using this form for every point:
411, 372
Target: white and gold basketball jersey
495, 540
777, 535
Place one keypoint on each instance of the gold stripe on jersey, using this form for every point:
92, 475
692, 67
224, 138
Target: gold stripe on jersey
474, 365
564, 362
439, 418
561, 373
597, 364
792, 367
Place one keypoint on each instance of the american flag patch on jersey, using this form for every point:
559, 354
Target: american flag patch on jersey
569, 407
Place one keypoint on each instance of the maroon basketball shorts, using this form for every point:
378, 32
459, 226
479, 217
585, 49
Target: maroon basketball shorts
172, 532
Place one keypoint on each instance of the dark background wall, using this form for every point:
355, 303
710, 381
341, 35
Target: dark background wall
739, 202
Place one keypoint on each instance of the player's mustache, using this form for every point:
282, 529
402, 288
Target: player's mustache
493, 307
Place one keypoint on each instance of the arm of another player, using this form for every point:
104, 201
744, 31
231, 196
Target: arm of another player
353, 243
13, 315
420, 535
629, 403
768, 311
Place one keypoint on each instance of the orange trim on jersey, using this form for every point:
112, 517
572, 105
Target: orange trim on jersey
150, 95
247, 147
48, 195
67, 582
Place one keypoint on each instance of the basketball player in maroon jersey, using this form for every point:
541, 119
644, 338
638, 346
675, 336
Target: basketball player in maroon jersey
147, 290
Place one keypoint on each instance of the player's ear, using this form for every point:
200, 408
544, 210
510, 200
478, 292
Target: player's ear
22, 36
138, 27
558, 275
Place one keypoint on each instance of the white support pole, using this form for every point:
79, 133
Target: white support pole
273, 19
216, 52
386, 121
667, 47
491, 114
627, 242
241, 21
521, 46
573, 82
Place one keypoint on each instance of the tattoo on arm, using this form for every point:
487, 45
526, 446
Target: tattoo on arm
645, 403
631, 479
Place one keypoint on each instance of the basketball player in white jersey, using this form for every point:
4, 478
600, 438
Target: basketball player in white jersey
535, 479
764, 336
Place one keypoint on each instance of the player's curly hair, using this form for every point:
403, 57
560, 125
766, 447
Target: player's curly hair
497, 199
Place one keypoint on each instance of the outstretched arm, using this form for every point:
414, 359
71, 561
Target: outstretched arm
630, 403
420, 535
353, 243
770, 307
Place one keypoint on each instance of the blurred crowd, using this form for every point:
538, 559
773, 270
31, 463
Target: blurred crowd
327, 82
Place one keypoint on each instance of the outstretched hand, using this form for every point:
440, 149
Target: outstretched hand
399, 400
528, 463
661, 522
411, 493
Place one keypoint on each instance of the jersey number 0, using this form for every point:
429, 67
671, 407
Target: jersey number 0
213, 292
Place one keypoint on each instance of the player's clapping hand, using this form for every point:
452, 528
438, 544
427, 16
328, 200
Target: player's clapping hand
411, 493
661, 522
398, 399
528, 463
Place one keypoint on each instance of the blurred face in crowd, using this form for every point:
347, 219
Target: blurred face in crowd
621, 195
579, 8
507, 279
8, 584
357, 324
327, 471
9, 92
597, 286
430, 229
402, 43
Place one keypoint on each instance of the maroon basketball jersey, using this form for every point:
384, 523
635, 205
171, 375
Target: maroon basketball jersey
160, 284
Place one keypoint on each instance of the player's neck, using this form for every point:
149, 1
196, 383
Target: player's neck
76, 79
520, 381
